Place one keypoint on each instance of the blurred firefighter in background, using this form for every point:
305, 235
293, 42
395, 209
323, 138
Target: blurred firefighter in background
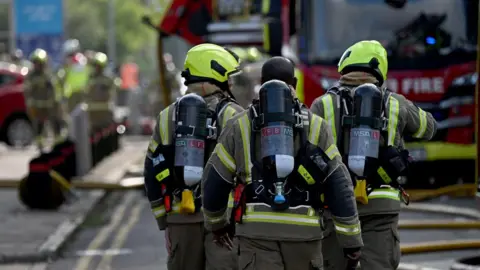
245, 83
17, 57
171, 181
42, 98
173, 81
100, 93
4, 53
73, 76
90, 55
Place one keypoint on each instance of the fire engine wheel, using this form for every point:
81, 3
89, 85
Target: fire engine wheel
19, 132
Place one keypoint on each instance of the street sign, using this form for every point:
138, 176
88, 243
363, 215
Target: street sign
38, 16
50, 43
39, 24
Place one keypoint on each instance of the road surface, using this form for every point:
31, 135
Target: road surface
122, 234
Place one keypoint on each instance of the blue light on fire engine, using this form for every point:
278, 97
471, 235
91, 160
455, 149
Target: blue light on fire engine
430, 40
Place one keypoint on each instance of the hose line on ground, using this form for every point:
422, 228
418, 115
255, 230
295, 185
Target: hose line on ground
436, 246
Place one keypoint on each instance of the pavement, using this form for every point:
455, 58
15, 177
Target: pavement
30, 237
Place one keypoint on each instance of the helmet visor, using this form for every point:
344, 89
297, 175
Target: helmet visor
236, 79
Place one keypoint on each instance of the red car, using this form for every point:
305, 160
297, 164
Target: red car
15, 126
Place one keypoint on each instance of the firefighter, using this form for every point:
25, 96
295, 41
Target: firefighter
100, 94
377, 191
41, 98
282, 161
189, 128
74, 74
17, 57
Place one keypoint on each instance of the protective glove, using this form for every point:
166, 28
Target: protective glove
223, 237
353, 257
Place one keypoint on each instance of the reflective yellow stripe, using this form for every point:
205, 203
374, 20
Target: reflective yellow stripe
163, 127
299, 88
306, 175
159, 211
162, 175
423, 124
229, 113
392, 120
230, 200
391, 194
225, 157
281, 218
314, 132
310, 218
347, 229
332, 151
245, 130
383, 174
265, 7
329, 114
152, 146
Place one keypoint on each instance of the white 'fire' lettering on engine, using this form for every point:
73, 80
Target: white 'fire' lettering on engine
417, 86
422, 85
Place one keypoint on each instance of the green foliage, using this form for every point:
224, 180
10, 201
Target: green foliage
87, 21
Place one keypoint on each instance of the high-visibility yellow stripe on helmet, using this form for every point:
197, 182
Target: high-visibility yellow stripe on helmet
225, 157
393, 111
245, 131
163, 127
423, 124
314, 131
347, 229
329, 114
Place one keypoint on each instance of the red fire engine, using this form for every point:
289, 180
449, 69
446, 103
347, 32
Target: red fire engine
432, 58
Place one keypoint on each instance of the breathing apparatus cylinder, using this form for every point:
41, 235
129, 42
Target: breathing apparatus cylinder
277, 152
190, 135
366, 125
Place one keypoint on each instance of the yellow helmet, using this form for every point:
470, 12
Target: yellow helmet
253, 54
100, 59
240, 52
366, 55
210, 63
39, 56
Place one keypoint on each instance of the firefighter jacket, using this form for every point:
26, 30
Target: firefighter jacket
404, 118
73, 78
40, 93
231, 164
100, 92
163, 135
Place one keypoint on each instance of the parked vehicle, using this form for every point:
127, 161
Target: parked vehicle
15, 126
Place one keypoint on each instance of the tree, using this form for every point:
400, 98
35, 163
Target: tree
86, 21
